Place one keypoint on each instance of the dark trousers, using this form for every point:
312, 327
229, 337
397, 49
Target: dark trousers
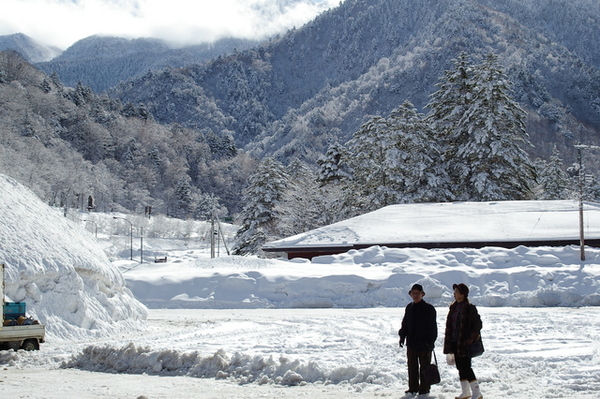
416, 359
463, 364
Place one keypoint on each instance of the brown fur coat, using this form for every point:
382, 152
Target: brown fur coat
469, 328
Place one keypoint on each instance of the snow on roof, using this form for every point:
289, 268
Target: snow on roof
465, 222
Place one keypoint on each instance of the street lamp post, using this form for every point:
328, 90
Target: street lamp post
130, 236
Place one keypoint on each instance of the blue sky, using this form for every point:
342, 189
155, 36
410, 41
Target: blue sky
62, 22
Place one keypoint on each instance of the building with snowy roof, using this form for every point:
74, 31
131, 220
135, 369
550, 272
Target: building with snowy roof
506, 224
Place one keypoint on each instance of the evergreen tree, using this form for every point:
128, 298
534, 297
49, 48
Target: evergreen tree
82, 94
183, 198
334, 176
554, 181
304, 205
333, 167
492, 162
260, 216
56, 82
586, 185
591, 188
416, 158
395, 160
129, 110
482, 127
448, 104
208, 207
374, 184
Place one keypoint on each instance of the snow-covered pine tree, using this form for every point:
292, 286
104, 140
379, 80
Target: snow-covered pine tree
447, 105
554, 182
260, 217
482, 128
333, 167
304, 205
373, 184
208, 207
591, 189
416, 158
183, 198
491, 163
333, 177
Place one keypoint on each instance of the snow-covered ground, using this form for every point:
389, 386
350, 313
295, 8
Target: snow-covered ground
255, 328
310, 353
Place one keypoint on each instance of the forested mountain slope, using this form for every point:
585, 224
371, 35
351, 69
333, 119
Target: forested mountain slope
31, 50
103, 61
185, 140
67, 144
297, 93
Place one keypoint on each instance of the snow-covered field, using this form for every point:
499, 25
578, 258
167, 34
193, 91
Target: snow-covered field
310, 353
255, 328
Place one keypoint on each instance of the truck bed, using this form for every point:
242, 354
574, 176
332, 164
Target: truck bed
15, 333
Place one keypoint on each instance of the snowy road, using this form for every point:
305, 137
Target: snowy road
316, 353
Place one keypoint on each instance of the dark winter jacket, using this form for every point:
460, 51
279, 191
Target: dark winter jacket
469, 328
419, 326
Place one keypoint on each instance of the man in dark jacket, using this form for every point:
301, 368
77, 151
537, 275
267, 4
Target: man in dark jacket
419, 330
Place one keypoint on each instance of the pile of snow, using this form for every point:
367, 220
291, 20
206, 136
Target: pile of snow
376, 276
242, 368
59, 270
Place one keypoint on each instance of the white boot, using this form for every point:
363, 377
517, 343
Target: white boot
475, 389
466, 390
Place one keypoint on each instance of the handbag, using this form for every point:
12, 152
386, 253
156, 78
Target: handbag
476, 348
430, 372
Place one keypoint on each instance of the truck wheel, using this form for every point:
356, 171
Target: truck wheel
31, 345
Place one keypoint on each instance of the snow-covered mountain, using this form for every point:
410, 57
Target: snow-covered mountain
104, 61
292, 96
30, 49
57, 268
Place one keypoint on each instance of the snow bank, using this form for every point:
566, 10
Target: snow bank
376, 276
59, 270
239, 367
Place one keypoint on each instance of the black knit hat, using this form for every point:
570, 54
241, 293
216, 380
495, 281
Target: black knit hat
416, 287
462, 288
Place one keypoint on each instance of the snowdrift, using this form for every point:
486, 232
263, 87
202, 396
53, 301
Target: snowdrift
240, 367
373, 277
58, 269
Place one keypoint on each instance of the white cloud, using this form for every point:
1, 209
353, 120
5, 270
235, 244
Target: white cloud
62, 22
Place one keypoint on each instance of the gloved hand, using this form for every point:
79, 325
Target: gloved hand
401, 343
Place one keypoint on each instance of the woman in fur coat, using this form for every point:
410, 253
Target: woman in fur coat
463, 327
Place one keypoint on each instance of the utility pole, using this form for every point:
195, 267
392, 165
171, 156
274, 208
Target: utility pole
130, 235
212, 235
141, 245
581, 176
223, 238
215, 233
